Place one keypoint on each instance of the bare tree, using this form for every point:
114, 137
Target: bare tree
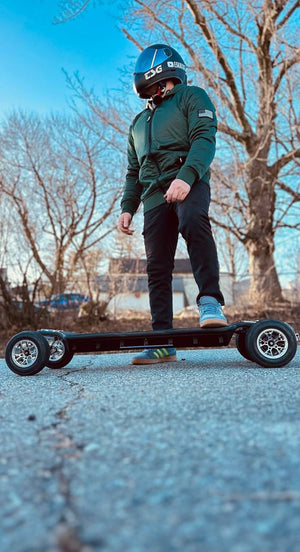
56, 175
246, 54
19, 285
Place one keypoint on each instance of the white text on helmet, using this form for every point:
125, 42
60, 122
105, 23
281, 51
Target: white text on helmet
176, 64
153, 72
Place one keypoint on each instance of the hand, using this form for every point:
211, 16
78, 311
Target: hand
124, 223
177, 191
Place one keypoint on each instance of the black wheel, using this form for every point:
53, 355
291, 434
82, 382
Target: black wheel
271, 343
27, 353
60, 354
240, 341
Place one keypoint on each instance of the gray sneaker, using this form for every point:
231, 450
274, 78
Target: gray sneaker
211, 313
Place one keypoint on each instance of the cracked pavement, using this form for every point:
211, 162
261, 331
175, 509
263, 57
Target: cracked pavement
200, 455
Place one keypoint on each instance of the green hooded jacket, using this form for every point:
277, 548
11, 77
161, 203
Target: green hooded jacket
174, 140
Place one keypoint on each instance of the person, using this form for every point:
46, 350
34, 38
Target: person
171, 145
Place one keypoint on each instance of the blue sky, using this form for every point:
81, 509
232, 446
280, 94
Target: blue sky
34, 51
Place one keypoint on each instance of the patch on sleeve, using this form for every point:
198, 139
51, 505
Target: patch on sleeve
205, 113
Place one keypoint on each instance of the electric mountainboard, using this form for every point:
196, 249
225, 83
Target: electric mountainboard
269, 343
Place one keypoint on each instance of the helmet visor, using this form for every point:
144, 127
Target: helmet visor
150, 58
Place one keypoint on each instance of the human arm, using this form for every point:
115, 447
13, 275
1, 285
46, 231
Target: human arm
133, 189
202, 128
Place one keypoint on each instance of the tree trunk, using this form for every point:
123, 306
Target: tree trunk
264, 283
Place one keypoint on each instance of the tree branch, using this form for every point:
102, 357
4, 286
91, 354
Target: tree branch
23, 214
214, 46
286, 65
239, 136
288, 15
284, 160
132, 39
295, 195
70, 11
236, 233
210, 6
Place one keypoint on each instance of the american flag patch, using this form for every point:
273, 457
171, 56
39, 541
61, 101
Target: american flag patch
205, 113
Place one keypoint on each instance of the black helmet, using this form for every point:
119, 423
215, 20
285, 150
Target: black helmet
155, 64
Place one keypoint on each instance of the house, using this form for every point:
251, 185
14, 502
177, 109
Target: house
125, 286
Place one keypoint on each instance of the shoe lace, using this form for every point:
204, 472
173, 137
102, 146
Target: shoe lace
209, 309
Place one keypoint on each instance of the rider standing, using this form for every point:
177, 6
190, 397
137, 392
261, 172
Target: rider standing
171, 145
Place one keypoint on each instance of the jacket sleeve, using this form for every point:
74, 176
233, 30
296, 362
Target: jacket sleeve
202, 128
133, 189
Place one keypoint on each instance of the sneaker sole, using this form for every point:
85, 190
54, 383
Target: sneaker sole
154, 360
213, 323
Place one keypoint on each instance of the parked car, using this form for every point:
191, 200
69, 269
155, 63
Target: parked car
65, 301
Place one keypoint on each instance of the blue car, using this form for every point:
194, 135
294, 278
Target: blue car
66, 301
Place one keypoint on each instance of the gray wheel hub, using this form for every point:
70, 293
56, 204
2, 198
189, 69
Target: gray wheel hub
272, 343
57, 348
24, 353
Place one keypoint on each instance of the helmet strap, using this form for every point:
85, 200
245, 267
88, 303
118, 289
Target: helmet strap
157, 98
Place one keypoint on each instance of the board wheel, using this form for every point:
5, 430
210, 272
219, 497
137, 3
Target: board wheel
26, 353
240, 341
271, 343
60, 354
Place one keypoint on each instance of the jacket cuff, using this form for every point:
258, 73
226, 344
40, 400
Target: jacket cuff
126, 207
188, 175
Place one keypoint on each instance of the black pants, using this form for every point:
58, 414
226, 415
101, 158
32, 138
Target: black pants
161, 228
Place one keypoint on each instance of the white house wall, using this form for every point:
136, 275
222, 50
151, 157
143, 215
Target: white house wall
191, 288
139, 302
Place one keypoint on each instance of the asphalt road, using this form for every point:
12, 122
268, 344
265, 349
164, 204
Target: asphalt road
201, 455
